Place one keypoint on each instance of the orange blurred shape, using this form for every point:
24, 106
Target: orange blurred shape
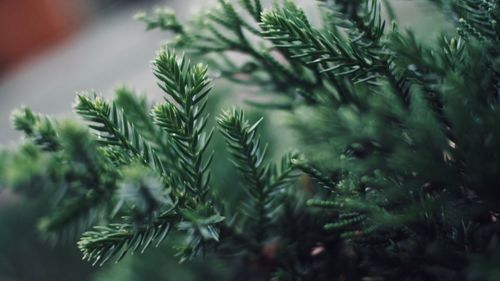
28, 26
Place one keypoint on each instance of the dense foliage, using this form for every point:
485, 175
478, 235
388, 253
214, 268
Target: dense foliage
398, 173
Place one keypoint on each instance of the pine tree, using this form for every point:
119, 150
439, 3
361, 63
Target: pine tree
398, 173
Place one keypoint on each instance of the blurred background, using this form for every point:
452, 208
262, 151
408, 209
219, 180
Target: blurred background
51, 49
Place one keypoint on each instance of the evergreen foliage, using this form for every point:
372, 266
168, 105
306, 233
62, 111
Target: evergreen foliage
400, 137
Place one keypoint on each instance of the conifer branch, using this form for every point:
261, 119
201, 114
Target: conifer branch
116, 240
184, 119
137, 110
87, 183
284, 173
113, 129
244, 146
36, 127
308, 169
289, 30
